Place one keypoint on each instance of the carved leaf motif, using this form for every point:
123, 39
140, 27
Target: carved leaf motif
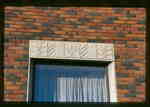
83, 50
34, 48
104, 52
42, 51
73, 50
51, 49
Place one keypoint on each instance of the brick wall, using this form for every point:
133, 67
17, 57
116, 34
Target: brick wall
124, 27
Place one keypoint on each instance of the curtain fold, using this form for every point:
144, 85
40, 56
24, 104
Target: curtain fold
81, 89
70, 84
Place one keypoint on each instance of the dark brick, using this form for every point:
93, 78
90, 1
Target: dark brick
8, 66
24, 86
45, 32
138, 39
23, 37
31, 26
26, 48
71, 12
48, 33
126, 86
6, 40
133, 94
43, 8
129, 32
120, 74
21, 67
93, 41
52, 22
7, 25
119, 42
84, 20
120, 34
118, 10
11, 15
45, 24
141, 22
50, 14
95, 27
8, 92
54, 8
109, 20
131, 60
131, 46
62, 21
131, 67
128, 63
94, 14
140, 79
21, 59
11, 77
142, 29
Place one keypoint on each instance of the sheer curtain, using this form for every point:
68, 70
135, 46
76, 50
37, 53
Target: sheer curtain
81, 89
56, 83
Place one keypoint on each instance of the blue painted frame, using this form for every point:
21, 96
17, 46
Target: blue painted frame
36, 65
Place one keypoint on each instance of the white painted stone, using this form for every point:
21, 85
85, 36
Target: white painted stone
91, 51
83, 51
59, 50
34, 48
43, 49
112, 82
51, 49
105, 52
71, 50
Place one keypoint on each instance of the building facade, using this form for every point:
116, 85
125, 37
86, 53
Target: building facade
122, 27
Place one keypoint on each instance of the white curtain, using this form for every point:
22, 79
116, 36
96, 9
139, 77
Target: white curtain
81, 89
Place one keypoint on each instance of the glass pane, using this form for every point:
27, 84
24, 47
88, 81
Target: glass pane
69, 83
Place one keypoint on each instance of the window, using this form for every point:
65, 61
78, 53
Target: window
67, 83
72, 52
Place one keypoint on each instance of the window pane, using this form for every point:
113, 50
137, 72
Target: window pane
70, 83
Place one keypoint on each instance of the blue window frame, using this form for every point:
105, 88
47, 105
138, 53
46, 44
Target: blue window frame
45, 78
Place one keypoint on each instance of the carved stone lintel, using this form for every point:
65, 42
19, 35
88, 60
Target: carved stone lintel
71, 50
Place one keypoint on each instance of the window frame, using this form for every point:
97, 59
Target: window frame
35, 61
105, 48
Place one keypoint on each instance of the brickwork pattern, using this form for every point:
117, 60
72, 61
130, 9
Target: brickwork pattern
124, 27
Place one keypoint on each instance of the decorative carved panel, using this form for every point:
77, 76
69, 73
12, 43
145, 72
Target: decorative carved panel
71, 50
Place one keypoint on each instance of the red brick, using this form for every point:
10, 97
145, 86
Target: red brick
16, 47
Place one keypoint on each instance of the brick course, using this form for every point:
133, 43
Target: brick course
124, 27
